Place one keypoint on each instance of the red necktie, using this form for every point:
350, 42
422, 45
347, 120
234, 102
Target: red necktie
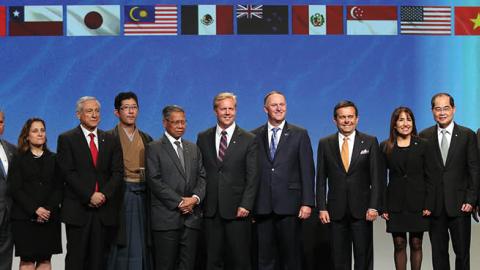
94, 152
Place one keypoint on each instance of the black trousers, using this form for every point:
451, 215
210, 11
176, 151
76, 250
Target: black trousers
175, 249
88, 245
346, 232
279, 242
228, 243
460, 231
6, 244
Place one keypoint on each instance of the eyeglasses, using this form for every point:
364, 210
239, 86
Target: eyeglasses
178, 122
129, 107
442, 109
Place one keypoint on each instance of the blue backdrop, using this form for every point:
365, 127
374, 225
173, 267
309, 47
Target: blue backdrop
44, 76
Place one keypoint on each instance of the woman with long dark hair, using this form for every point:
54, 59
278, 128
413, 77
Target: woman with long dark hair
409, 195
36, 189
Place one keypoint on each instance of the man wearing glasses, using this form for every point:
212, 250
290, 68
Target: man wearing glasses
130, 249
456, 184
176, 180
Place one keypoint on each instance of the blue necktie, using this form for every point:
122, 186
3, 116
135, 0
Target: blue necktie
273, 142
2, 170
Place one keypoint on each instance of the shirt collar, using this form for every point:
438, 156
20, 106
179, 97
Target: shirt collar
449, 128
350, 137
172, 139
86, 132
229, 130
270, 126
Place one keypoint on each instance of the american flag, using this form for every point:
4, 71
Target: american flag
425, 20
163, 22
250, 11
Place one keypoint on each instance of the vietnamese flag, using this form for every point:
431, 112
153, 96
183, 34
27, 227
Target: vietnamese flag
467, 21
3, 21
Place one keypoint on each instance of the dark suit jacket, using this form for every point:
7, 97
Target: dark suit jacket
5, 200
286, 182
80, 176
169, 182
360, 188
410, 184
122, 234
232, 183
34, 185
456, 182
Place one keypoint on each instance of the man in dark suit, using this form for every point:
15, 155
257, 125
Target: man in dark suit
176, 178
7, 151
131, 247
91, 162
456, 184
286, 194
230, 160
351, 163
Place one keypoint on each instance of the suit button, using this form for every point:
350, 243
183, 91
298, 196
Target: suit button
273, 169
405, 176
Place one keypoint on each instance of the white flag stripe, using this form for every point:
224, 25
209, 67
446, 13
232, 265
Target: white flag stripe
150, 26
437, 14
437, 9
166, 12
159, 29
424, 27
207, 29
43, 13
372, 27
153, 34
317, 10
437, 19
423, 32
438, 23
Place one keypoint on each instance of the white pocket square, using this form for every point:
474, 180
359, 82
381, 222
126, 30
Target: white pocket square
364, 152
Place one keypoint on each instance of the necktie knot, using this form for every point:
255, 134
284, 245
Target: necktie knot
224, 133
275, 130
178, 144
91, 136
444, 132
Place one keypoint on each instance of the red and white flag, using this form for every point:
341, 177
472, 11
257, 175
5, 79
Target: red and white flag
317, 20
372, 20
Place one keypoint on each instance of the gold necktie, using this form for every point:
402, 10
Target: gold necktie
345, 153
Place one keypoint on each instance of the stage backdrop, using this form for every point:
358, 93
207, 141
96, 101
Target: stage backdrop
44, 76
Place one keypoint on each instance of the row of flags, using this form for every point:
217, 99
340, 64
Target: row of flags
97, 20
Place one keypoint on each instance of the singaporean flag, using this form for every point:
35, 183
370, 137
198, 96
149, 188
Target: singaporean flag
372, 20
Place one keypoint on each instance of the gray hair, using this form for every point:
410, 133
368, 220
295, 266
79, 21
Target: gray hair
167, 111
82, 100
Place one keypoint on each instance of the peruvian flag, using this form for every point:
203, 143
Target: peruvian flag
317, 20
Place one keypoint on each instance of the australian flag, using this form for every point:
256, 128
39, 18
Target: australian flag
262, 20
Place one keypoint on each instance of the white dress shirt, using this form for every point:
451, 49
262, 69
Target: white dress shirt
218, 135
279, 132
448, 134
4, 159
351, 141
86, 133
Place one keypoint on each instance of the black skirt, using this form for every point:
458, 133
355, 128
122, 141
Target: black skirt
36, 240
407, 222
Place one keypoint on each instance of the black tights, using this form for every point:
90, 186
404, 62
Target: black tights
400, 250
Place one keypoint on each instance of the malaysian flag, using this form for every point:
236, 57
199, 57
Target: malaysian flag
425, 20
250, 11
150, 20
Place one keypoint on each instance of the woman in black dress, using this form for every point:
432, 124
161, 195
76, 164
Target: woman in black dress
409, 195
36, 190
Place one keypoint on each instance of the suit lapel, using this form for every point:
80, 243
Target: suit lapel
211, 137
84, 146
283, 137
233, 142
453, 143
357, 146
336, 150
101, 147
264, 138
173, 155
187, 155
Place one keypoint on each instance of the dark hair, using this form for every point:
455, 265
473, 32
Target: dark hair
123, 96
23, 144
452, 102
393, 122
167, 110
343, 104
272, 93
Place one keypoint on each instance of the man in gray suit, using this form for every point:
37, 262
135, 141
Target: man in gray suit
7, 151
176, 179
